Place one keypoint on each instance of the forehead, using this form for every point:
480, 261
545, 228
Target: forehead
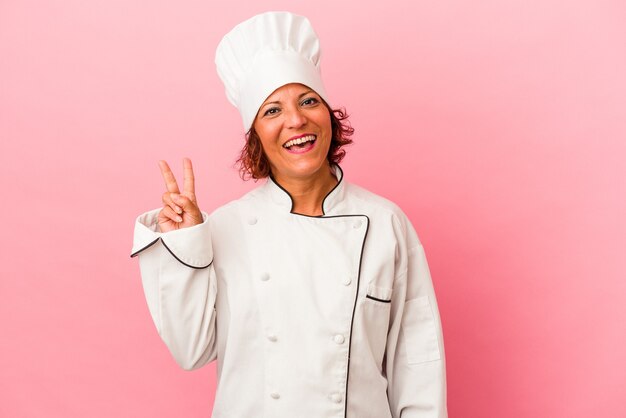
288, 91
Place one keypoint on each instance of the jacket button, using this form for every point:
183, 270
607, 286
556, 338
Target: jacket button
252, 220
265, 277
336, 397
346, 281
339, 339
357, 224
272, 338
275, 395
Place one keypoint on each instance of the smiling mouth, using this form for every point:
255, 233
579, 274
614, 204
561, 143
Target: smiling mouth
299, 143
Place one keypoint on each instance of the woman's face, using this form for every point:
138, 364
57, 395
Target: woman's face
295, 131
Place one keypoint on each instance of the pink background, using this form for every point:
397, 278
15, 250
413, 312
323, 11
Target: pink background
498, 126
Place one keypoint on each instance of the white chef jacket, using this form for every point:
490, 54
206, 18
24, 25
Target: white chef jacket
320, 317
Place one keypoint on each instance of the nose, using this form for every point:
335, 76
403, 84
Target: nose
295, 118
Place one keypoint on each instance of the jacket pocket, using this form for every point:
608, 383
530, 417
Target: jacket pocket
376, 310
420, 331
379, 294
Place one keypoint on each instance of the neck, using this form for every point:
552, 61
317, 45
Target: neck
308, 193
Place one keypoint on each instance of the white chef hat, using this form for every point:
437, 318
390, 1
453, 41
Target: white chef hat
264, 53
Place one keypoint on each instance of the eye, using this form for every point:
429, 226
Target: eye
309, 101
271, 111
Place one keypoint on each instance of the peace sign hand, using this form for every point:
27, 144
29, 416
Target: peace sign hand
180, 210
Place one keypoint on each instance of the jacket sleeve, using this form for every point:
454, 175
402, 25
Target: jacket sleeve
180, 287
415, 363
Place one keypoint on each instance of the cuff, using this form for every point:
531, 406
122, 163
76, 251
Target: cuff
190, 246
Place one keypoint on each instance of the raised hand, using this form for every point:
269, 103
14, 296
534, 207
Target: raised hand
180, 210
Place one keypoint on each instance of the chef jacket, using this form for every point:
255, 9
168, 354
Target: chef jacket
307, 316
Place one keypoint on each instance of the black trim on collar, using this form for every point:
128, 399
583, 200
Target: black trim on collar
284, 190
323, 200
333, 189
136, 253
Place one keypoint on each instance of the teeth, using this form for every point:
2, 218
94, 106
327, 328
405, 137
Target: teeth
301, 140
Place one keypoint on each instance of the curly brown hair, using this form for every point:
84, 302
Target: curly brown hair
253, 164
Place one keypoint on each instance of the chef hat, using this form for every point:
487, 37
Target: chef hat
264, 53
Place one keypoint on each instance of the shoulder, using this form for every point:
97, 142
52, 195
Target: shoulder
233, 208
373, 203
381, 210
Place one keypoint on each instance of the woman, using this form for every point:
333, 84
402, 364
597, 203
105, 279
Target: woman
313, 294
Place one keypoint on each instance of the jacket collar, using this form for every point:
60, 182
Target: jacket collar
281, 196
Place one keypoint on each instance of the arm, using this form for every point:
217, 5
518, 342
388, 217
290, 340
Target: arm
174, 244
180, 287
415, 363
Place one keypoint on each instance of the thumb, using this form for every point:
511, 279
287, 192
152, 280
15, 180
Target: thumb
188, 206
183, 201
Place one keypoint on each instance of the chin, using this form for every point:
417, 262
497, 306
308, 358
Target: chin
305, 169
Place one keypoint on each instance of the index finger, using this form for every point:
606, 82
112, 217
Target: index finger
168, 176
188, 178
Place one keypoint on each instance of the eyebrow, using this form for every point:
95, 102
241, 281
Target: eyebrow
299, 97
